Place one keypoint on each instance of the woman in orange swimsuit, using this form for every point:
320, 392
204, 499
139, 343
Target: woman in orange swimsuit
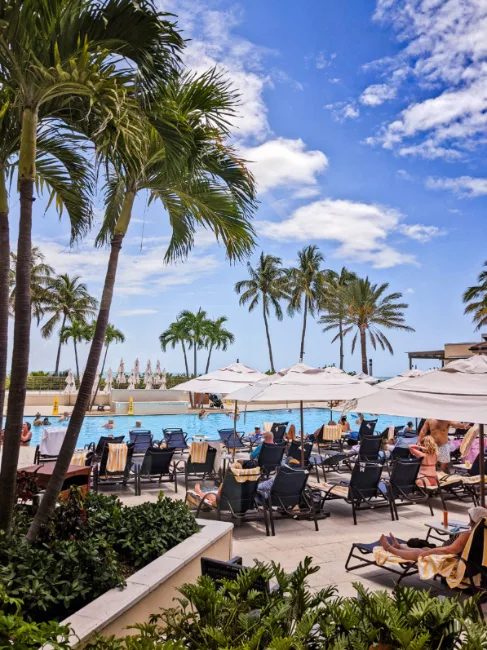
428, 452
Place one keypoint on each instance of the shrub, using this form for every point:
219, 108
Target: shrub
234, 615
89, 546
19, 634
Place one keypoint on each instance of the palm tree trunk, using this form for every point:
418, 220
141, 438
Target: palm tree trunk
185, 359
271, 359
4, 289
208, 362
363, 345
21, 347
76, 357
99, 378
48, 503
340, 335
58, 357
194, 359
301, 354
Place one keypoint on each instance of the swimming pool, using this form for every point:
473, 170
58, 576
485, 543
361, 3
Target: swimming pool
313, 418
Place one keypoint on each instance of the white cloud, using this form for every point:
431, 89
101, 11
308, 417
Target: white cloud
284, 162
137, 312
445, 52
377, 94
409, 290
306, 193
321, 61
342, 111
420, 233
335, 80
465, 186
402, 173
360, 229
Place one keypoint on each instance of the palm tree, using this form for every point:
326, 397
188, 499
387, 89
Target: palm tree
112, 335
195, 325
334, 304
476, 299
40, 277
53, 54
217, 337
307, 286
174, 335
368, 310
69, 301
269, 283
80, 332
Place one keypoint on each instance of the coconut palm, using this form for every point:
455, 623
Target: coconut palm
334, 305
79, 332
217, 337
307, 286
41, 275
195, 325
112, 335
268, 284
369, 309
69, 301
176, 334
53, 53
476, 300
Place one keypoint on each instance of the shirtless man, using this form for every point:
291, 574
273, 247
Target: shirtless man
439, 432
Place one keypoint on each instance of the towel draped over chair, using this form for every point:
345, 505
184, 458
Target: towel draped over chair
117, 457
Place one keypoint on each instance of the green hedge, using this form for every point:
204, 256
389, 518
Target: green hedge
235, 616
89, 546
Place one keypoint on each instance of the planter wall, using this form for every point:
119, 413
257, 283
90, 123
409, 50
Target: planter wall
153, 587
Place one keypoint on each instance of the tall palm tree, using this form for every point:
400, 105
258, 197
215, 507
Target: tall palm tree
176, 334
112, 335
52, 53
476, 300
268, 283
40, 278
196, 325
307, 286
334, 305
369, 309
79, 332
217, 337
69, 301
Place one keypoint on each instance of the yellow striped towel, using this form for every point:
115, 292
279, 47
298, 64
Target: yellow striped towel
198, 451
79, 458
336, 490
429, 566
117, 457
241, 475
332, 432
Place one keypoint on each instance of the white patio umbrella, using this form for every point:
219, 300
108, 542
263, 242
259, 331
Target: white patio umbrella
224, 380
148, 382
70, 384
368, 379
158, 371
404, 376
108, 382
456, 392
137, 371
131, 384
301, 384
95, 383
163, 381
121, 373
156, 379
334, 371
148, 367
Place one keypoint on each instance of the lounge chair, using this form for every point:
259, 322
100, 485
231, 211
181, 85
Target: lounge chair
230, 441
330, 437
294, 451
400, 453
288, 496
103, 475
200, 471
369, 449
157, 463
401, 486
270, 458
219, 571
175, 439
142, 438
471, 572
367, 428
100, 445
279, 431
363, 490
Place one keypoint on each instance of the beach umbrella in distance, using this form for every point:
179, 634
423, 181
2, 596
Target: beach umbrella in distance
96, 382
368, 379
108, 382
163, 380
148, 382
121, 373
148, 368
158, 368
137, 371
404, 376
332, 370
132, 382
156, 379
148, 376
70, 384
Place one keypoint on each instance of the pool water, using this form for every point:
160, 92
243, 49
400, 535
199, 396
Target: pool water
313, 418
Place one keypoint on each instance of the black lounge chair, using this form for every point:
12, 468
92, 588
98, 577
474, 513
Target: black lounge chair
219, 571
363, 490
100, 445
400, 453
103, 477
45, 458
369, 449
289, 496
175, 439
327, 443
401, 486
230, 441
157, 463
294, 451
279, 431
142, 438
367, 428
270, 458
361, 551
200, 471
334, 461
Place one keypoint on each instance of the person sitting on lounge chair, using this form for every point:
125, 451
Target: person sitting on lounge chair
268, 437
455, 548
428, 452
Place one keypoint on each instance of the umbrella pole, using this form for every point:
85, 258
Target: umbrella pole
234, 431
302, 432
482, 465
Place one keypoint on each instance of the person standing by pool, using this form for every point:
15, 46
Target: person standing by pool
25, 435
439, 432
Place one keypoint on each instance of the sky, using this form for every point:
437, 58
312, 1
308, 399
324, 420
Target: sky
364, 124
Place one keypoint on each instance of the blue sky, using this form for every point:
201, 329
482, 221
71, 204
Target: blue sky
365, 125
